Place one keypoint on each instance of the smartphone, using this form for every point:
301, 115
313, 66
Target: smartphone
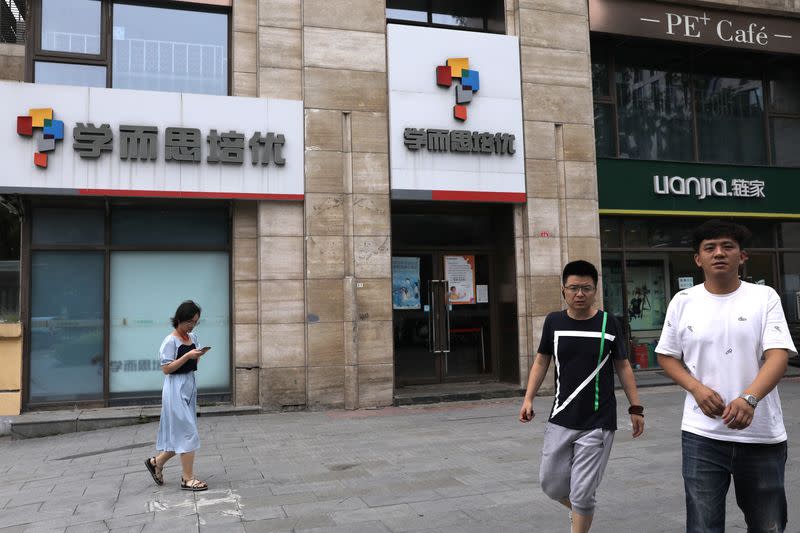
205, 348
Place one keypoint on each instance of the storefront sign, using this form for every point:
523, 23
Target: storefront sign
79, 140
697, 25
638, 187
456, 115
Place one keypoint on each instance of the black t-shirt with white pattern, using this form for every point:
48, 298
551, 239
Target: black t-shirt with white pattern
575, 347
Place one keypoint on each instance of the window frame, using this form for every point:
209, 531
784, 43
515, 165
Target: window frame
431, 24
35, 53
605, 45
28, 247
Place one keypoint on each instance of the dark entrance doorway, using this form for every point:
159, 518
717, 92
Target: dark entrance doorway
454, 293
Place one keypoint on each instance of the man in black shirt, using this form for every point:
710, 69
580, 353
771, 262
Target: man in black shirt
579, 434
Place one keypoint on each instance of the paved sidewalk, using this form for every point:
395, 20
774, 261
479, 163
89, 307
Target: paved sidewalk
468, 467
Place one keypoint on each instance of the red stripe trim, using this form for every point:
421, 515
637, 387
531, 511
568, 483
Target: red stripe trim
190, 194
472, 196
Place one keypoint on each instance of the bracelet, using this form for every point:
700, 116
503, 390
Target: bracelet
636, 410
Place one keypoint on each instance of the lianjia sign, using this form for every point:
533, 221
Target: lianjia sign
666, 188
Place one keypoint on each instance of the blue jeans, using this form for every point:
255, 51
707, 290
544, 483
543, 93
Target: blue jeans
758, 474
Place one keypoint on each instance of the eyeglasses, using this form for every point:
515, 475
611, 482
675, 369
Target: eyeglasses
575, 289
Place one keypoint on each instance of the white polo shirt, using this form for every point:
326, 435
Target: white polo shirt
722, 339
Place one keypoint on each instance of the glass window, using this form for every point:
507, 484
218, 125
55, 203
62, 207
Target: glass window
789, 235
612, 285
785, 135
146, 288
763, 233
604, 130
784, 88
182, 227
670, 234
600, 79
71, 26
609, 233
790, 272
68, 226
9, 266
496, 17
655, 114
12, 22
66, 352
730, 115
461, 14
70, 74
165, 49
412, 10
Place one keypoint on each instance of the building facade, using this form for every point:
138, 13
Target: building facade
437, 168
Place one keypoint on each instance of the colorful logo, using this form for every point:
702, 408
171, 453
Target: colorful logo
468, 83
51, 131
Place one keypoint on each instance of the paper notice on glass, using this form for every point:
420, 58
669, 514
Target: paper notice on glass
405, 283
483, 294
459, 270
685, 283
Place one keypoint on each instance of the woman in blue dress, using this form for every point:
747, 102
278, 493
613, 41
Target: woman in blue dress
177, 428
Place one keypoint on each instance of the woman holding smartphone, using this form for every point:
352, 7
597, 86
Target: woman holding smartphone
177, 429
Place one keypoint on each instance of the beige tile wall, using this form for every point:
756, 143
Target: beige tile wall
312, 280
559, 223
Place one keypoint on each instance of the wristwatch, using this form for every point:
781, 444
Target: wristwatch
750, 399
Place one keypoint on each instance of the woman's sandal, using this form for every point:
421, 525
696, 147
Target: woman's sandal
155, 470
195, 485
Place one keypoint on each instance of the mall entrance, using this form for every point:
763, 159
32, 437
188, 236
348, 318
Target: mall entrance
453, 293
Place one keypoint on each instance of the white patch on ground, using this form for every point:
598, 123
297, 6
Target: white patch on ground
228, 500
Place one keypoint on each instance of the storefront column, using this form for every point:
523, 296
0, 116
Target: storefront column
348, 272
559, 223
245, 304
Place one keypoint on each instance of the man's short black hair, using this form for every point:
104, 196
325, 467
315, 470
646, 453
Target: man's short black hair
185, 312
716, 229
579, 268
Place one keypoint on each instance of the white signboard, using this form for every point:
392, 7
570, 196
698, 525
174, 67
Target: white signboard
455, 113
143, 143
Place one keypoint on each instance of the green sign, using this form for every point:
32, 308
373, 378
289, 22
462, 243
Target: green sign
666, 188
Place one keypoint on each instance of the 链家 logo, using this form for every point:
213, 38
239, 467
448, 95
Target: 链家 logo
467, 83
51, 131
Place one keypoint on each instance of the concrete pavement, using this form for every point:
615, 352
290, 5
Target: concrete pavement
457, 467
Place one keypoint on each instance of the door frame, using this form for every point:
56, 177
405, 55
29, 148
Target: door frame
437, 272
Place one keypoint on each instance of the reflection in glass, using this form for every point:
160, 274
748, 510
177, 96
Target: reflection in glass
784, 89
70, 74
66, 351
730, 114
413, 10
181, 227
759, 269
655, 114
789, 235
790, 273
612, 285
647, 234
785, 134
600, 79
609, 233
146, 288
85, 226
71, 26
9, 266
604, 130
164, 49
461, 14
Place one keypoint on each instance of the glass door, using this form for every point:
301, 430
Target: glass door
442, 317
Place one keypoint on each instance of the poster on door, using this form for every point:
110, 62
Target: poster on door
405, 283
647, 297
459, 271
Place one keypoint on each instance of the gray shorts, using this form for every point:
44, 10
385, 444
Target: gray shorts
573, 462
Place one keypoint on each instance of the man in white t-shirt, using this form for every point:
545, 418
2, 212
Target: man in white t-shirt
727, 343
